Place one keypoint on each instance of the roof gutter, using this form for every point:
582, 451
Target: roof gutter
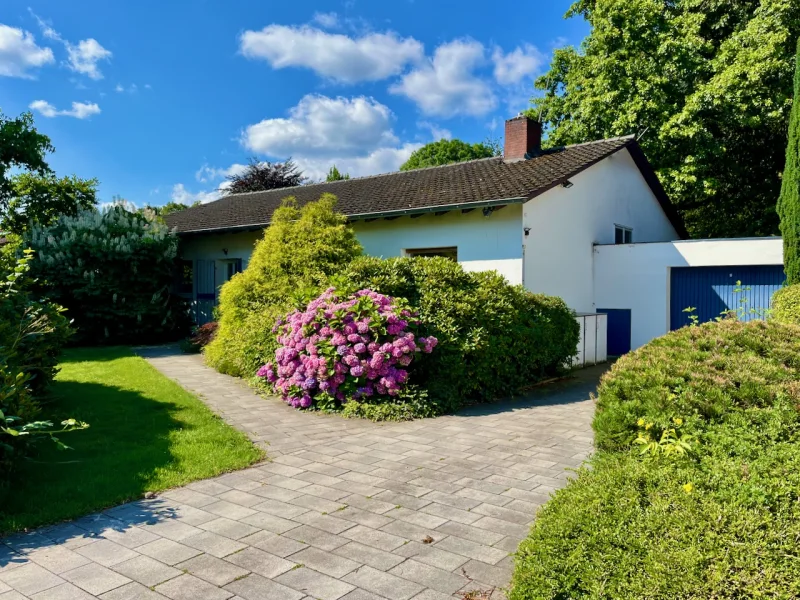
376, 215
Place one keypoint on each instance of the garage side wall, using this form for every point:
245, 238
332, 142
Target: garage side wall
637, 277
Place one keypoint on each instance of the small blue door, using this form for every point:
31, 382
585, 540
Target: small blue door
205, 291
619, 330
714, 290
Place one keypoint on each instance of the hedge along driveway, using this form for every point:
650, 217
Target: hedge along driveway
146, 434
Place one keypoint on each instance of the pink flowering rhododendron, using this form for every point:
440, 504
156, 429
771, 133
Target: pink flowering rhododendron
345, 349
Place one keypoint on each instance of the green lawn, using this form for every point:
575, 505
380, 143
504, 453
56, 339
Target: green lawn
146, 434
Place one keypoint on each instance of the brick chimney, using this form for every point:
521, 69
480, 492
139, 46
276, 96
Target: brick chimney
523, 137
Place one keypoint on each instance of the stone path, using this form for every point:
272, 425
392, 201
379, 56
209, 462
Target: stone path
344, 509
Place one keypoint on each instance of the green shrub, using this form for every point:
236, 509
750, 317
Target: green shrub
494, 338
113, 270
786, 305
720, 522
300, 250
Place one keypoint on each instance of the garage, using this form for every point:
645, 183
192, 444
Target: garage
713, 291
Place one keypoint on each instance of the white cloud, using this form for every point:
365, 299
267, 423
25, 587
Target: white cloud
447, 85
327, 20
523, 61
323, 126
382, 160
437, 133
371, 57
19, 52
79, 110
207, 173
119, 89
83, 57
184, 196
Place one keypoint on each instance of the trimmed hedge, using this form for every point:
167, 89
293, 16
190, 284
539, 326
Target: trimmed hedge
494, 338
721, 522
300, 250
786, 304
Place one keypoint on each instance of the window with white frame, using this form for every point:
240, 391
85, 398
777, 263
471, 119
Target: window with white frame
450, 252
623, 235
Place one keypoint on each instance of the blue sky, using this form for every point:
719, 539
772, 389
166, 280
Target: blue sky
159, 100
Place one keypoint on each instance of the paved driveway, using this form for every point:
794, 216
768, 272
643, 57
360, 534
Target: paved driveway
344, 509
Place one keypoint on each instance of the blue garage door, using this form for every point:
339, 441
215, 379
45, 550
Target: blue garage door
619, 330
713, 290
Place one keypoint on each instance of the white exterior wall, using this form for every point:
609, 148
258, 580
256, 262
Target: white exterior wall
484, 243
565, 224
637, 276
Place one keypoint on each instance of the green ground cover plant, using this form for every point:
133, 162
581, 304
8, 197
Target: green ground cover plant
694, 491
147, 434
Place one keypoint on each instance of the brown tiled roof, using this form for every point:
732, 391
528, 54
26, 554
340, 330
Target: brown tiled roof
477, 183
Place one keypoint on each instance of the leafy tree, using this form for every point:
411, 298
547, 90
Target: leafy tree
708, 83
259, 176
335, 175
42, 198
789, 202
171, 207
21, 147
445, 152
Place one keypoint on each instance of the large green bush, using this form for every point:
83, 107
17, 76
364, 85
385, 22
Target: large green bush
494, 338
32, 334
719, 522
300, 250
113, 271
786, 304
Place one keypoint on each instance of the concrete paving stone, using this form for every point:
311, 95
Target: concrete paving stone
276, 493
529, 508
432, 555
4, 588
9, 559
383, 584
212, 569
409, 531
168, 552
504, 513
279, 545
67, 535
331, 470
189, 587
65, 591
507, 544
255, 587
451, 500
12, 595
261, 562
370, 504
269, 522
213, 544
429, 576
325, 522
421, 519
315, 584
131, 537
322, 491
502, 526
285, 470
468, 549
369, 555
484, 497
95, 579
320, 505
404, 500
451, 513
291, 460
146, 570
286, 482
535, 496
231, 529
492, 574
363, 517
358, 594
30, 578
319, 478
208, 486
318, 538
432, 595
240, 498
325, 562
229, 510
172, 529
280, 509
57, 559
25, 542
468, 532
373, 537
106, 553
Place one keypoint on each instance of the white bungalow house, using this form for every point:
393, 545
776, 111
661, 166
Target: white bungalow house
537, 216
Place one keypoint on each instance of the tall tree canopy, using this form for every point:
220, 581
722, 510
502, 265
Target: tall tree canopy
171, 207
789, 202
445, 152
259, 176
707, 82
335, 175
34, 193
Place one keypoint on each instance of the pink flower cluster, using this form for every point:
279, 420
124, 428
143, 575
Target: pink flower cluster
344, 349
